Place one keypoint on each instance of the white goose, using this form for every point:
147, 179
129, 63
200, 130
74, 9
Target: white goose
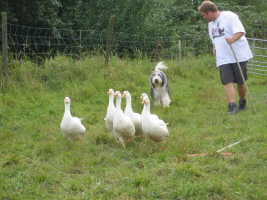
123, 127
154, 129
110, 111
135, 117
71, 127
152, 115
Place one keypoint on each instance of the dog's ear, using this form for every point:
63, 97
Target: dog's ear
152, 93
167, 88
151, 79
164, 78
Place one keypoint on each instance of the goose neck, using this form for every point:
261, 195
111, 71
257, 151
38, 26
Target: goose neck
129, 104
111, 100
67, 109
147, 109
118, 103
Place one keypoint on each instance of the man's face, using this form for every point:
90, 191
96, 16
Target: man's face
207, 16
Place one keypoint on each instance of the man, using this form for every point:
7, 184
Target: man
225, 29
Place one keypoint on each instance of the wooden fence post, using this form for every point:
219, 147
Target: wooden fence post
263, 33
180, 52
263, 28
109, 39
4, 48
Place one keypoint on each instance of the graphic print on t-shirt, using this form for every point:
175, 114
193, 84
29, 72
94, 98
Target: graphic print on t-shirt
217, 31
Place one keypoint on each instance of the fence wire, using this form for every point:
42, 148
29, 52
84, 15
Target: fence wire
42, 43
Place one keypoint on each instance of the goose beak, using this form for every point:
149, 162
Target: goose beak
67, 99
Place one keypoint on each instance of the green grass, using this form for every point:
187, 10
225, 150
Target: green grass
37, 162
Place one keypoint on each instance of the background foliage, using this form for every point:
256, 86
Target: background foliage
150, 17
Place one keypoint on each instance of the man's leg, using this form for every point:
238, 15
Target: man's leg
229, 89
241, 86
242, 91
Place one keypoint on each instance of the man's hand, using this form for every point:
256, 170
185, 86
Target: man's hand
229, 40
236, 37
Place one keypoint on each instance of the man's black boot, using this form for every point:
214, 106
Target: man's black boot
232, 108
242, 104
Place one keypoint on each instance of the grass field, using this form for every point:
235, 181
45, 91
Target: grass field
37, 162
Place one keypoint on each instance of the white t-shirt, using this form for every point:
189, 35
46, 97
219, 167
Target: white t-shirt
226, 25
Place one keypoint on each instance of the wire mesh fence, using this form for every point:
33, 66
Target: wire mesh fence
43, 42
39, 44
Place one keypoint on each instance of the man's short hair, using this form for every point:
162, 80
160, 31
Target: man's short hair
207, 6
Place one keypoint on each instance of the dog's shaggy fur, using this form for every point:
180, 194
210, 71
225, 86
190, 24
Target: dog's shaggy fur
160, 91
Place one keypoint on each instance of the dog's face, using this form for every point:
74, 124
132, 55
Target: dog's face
157, 79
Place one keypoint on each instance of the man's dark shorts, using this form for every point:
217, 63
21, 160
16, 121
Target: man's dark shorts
231, 73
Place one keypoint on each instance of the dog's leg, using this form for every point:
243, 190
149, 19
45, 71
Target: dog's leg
166, 100
155, 96
157, 102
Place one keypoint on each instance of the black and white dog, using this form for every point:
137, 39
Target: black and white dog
160, 91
